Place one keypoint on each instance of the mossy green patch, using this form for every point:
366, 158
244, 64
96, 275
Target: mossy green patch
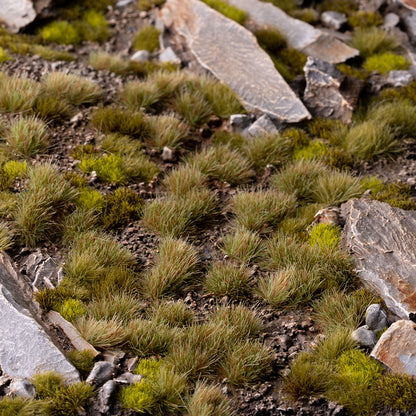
147, 39
386, 62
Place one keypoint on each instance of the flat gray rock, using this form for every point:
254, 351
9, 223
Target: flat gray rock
382, 240
396, 348
25, 347
299, 35
17, 13
244, 66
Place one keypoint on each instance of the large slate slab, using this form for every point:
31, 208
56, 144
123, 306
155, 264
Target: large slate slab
233, 55
382, 240
396, 348
299, 35
25, 347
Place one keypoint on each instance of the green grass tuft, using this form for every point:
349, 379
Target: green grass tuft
261, 211
117, 120
372, 40
397, 391
76, 90
208, 400
173, 314
227, 279
184, 179
27, 136
179, 216
6, 236
341, 309
166, 130
223, 163
71, 309
175, 264
243, 245
83, 361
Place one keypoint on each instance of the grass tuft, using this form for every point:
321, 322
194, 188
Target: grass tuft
208, 400
227, 279
172, 314
243, 245
261, 211
372, 40
223, 163
76, 90
166, 131
175, 264
386, 62
83, 361
183, 179
179, 216
27, 136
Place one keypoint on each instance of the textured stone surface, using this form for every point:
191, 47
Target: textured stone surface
364, 336
400, 78
382, 240
299, 35
168, 55
375, 317
244, 66
323, 95
411, 4
25, 347
101, 373
396, 348
23, 388
333, 20
17, 13
71, 333
262, 126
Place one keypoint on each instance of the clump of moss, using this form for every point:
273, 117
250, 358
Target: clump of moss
60, 32
160, 391
71, 309
340, 6
121, 206
147, 38
386, 62
326, 236
407, 93
397, 391
314, 149
109, 168
94, 27
234, 13
328, 129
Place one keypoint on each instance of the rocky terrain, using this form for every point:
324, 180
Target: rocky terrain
207, 207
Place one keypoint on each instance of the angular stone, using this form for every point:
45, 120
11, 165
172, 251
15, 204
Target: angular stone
239, 122
382, 240
168, 55
400, 78
261, 126
375, 317
17, 14
409, 19
101, 372
411, 4
23, 388
298, 34
391, 20
168, 155
323, 95
128, 378
71, 333
25, 347
333, 20
364, 336
141, 56
247, 69
396, 348
105, 396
